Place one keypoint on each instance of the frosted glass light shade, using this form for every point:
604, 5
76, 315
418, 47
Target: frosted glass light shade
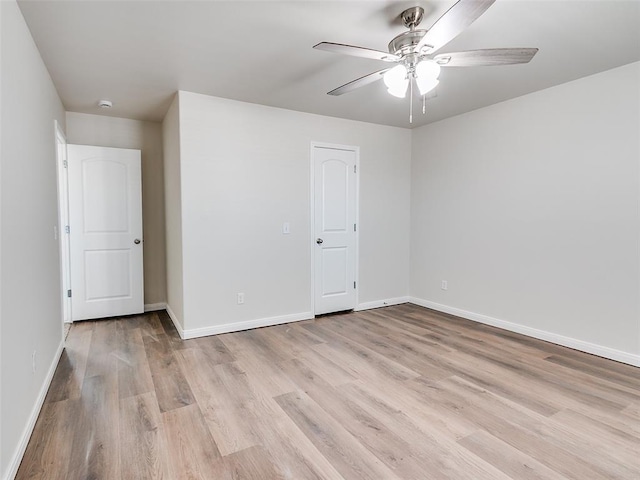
396, 81
428, 68
427, 73
426, 84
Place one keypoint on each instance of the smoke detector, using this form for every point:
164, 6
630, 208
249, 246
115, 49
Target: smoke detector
105, 103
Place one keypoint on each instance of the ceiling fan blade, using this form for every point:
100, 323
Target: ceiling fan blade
453, 22
359, 82
357, 51
490, 56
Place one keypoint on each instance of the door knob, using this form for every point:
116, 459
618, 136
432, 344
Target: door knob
319, 241
136, 241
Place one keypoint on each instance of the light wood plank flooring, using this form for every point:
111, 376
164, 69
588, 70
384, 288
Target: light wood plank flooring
395, 393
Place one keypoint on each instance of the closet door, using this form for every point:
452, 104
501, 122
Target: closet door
105, 217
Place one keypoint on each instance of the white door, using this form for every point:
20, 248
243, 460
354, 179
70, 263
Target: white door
334, 178
105, 216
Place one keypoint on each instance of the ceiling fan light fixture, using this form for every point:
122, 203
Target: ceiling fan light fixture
396, 81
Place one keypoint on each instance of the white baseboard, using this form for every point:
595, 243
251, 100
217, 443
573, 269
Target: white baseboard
14, 463
154, 307
246, 325
175, 321
381, 303
599, 350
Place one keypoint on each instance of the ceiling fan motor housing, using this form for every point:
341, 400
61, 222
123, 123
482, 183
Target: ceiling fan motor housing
406, 43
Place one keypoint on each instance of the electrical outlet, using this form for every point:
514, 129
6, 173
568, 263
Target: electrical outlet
240, 298
33, 361
444, 285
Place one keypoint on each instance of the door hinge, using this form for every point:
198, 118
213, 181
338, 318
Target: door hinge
69, 293
65, 164
354, 284
67, 229
355, 169
354, 227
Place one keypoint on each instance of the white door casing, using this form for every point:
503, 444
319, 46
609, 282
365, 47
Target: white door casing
63, 220
105, 214
334, 240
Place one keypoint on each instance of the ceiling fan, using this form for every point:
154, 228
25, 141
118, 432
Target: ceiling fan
414, 52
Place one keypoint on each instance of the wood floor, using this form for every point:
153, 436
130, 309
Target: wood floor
395, 393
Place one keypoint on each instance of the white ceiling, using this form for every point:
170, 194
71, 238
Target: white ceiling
138, 53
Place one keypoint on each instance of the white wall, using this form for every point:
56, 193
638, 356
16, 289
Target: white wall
30, 277
173, 211
245, 170
530, 209
103, 131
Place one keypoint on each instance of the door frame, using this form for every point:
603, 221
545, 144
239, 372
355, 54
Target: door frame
312, 216
63, 221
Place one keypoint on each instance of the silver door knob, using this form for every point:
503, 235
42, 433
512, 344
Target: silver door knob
136, 241
319, 241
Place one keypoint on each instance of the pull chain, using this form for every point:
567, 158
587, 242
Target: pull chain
411, 101
424, 104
